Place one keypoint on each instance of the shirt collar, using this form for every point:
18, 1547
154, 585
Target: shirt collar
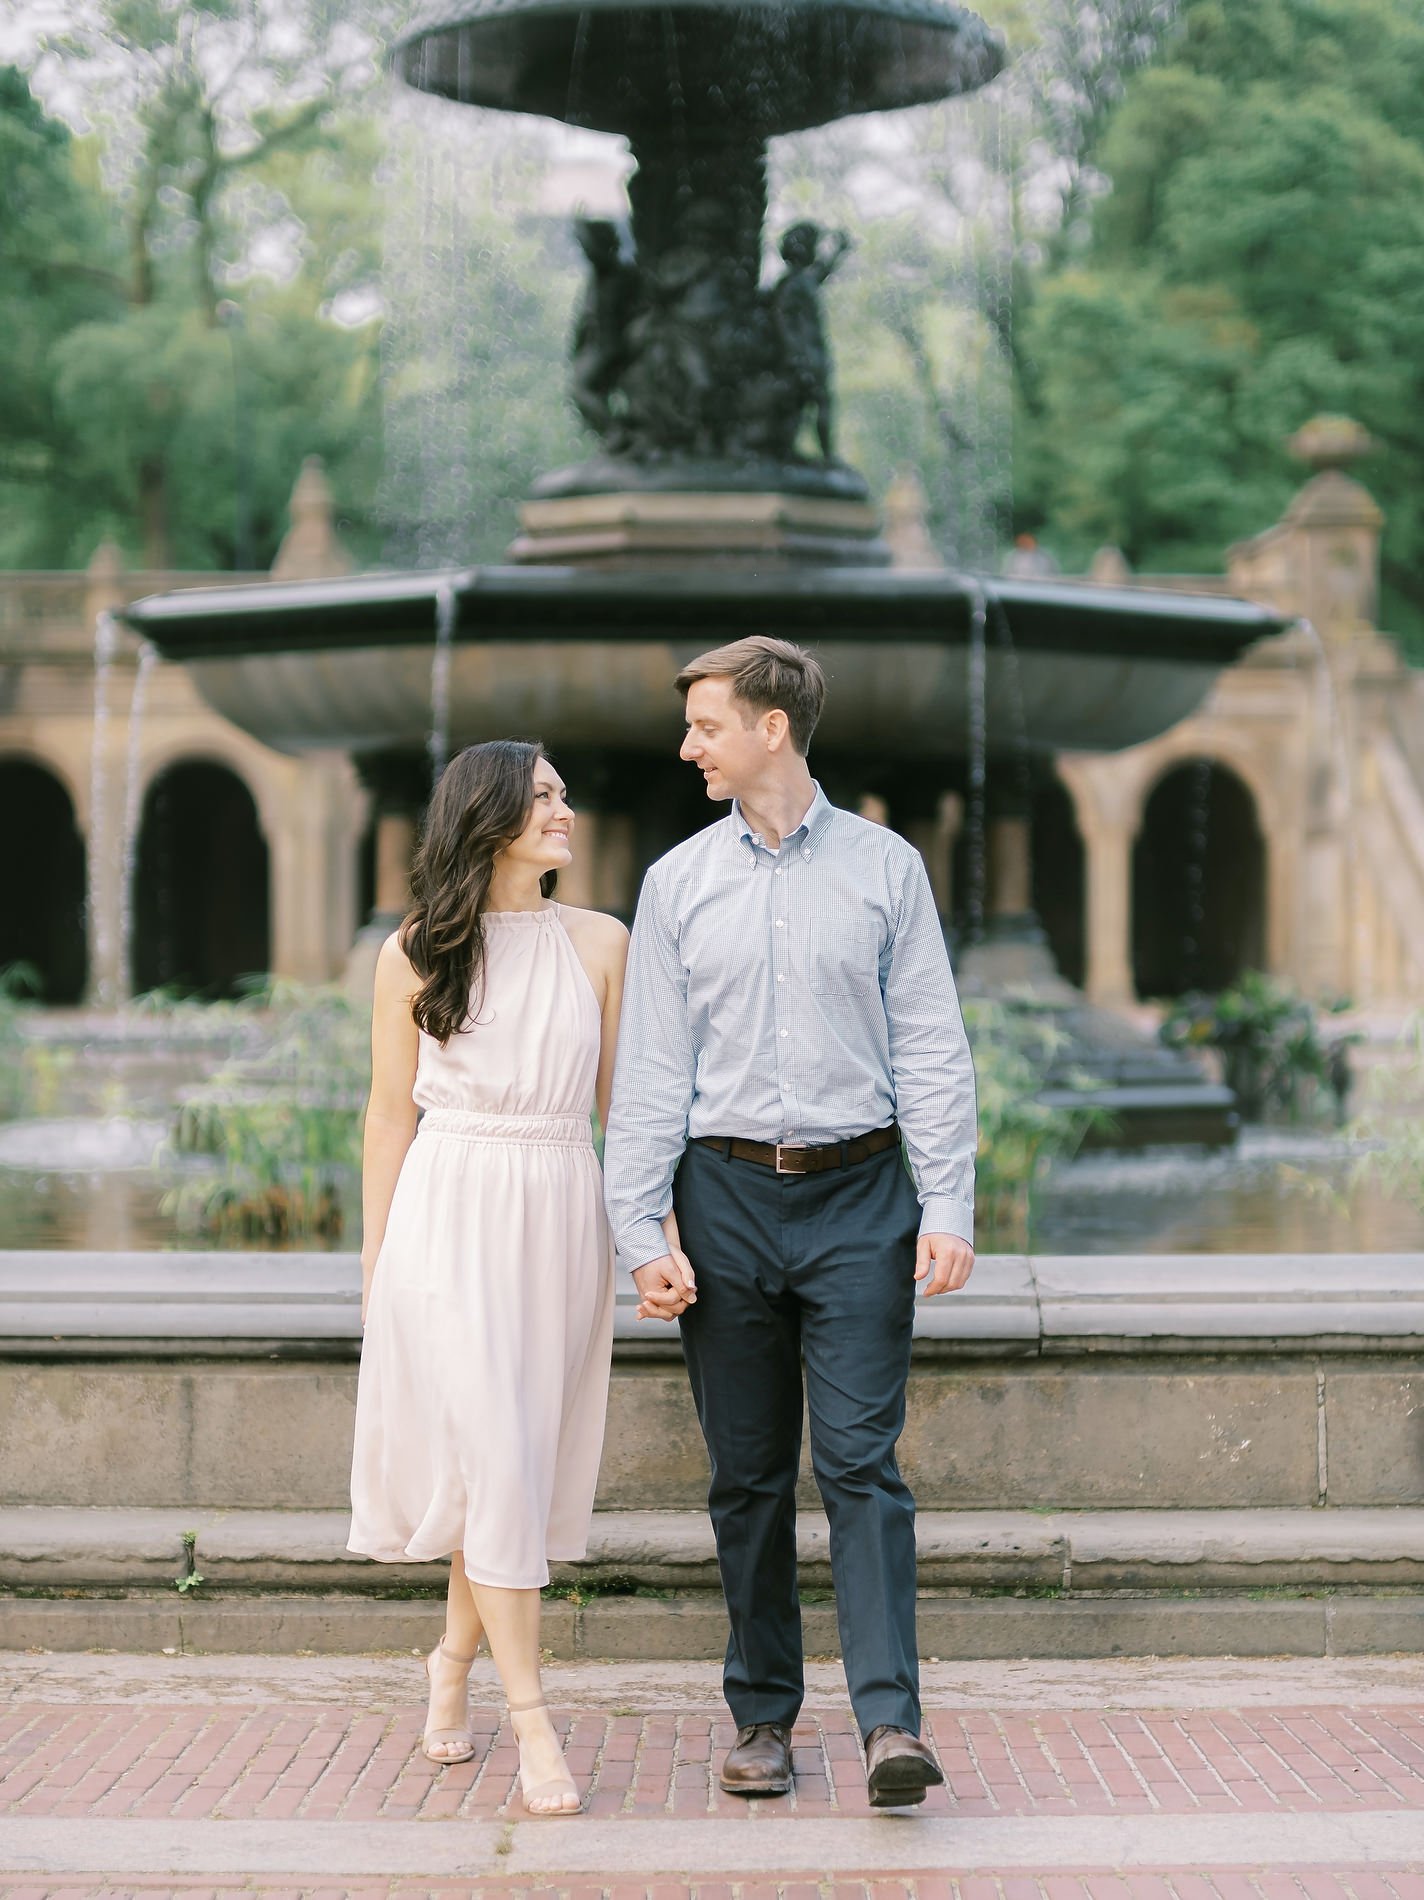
818, 815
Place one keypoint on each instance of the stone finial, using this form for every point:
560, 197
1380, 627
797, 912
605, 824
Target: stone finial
104, 590
1321, 560
310, 550
907, 532
106, 565
1330, 442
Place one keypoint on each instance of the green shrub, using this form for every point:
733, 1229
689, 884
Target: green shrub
1015, 1046
18, 983
281, 1123
1391, 1125
1273, 1052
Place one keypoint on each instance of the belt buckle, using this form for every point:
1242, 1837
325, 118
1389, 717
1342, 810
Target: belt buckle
789, 1150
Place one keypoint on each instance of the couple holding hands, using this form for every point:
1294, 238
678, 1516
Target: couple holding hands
789, 1037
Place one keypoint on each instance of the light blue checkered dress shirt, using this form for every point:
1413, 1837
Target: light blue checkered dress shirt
801, 995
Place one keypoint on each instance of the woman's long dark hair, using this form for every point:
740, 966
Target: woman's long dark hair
481, 804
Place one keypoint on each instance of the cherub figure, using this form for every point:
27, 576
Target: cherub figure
600, 341
796, 309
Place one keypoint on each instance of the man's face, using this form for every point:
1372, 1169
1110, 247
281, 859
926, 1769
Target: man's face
725, 748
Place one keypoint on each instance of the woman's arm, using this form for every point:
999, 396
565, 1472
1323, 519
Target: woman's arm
390, 1110
614, 960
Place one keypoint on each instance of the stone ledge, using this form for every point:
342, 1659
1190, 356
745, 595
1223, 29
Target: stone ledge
304, 1304
964, 1629
1072, 1552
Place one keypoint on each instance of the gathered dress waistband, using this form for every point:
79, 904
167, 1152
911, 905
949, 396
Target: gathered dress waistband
544, 1131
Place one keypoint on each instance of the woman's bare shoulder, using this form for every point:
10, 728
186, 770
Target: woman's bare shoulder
596, 925
395, 973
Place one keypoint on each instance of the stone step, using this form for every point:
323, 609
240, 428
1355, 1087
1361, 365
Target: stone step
694, 1628
48, 1548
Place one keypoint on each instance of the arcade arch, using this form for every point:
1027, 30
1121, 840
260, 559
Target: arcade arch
42, 867
1199, 871
1059, 875
202, 882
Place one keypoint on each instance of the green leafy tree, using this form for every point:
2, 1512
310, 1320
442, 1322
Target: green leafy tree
955, 210
1259, 258
53, 253
221, 123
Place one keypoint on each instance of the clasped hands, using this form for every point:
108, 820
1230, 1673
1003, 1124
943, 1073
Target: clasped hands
668, 1286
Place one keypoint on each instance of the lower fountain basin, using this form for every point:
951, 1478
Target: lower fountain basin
581, 657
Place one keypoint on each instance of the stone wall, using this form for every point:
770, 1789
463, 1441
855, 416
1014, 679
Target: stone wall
1121, 1383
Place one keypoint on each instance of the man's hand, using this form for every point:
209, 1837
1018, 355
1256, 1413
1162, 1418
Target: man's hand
666, 1287
946, 1260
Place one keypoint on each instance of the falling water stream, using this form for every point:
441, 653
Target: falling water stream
1194, 870
446, 608
128, 856
1013, 683
978, 736
100, 919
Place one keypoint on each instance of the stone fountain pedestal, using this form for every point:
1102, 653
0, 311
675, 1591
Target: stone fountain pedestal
761, 528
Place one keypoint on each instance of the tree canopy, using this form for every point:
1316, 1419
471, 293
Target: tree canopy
1257, 258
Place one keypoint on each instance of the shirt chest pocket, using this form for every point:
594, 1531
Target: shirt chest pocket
845, 961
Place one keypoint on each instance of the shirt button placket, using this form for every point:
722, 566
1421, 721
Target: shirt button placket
782, 1000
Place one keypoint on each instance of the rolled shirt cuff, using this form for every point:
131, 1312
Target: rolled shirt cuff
641, 1243
940, 1215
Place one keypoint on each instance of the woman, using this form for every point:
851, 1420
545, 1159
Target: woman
487, 1266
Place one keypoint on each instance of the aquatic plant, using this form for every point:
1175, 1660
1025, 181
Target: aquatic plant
1391, 1126
19, 982
1274, 1052
280, 1124
1015, 1046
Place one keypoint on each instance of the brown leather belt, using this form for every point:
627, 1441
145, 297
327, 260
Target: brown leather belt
789, 1160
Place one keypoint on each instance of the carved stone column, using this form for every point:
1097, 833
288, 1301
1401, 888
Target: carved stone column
935, 839
398, 784
603, 874
102, 817
1013, 953
1108, 977
314, 843
395, 848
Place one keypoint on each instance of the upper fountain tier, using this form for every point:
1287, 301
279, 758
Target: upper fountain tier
700, 381
695, 67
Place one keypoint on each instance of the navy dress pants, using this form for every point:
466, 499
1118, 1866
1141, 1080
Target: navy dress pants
815, 1269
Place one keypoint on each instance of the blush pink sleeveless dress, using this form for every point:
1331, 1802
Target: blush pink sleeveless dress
484, 1369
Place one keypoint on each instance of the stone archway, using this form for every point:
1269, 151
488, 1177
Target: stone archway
1198, 882
42, 917
201, 902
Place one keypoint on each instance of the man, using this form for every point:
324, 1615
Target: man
789, 1015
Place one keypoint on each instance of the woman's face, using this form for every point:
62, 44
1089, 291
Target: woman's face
543, 845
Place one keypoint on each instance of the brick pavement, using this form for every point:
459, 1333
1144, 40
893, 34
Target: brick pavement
260, 1762
184, 1762
1221, 1884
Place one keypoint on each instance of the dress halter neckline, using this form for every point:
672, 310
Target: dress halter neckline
519, 917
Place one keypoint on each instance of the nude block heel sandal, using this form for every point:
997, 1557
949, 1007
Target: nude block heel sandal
459, 1740
546, 1790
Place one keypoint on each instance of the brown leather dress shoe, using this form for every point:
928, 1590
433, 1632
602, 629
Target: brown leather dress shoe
759, 1761
898, 1768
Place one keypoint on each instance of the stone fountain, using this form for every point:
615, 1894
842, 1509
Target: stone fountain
714, 501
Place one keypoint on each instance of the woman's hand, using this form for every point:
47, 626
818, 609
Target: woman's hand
666, 1287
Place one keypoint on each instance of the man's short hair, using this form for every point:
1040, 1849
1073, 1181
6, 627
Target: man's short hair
767, 675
